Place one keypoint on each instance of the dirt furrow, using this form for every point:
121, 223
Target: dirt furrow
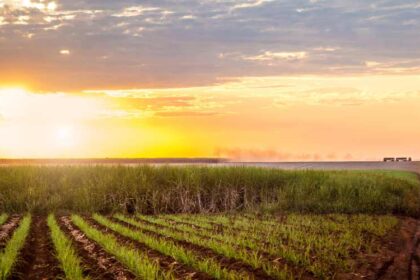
414, 265
167, 263
396, 258
37, 260
7, 229
401, 258
99, 264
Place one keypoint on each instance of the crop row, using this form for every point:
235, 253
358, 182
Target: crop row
194, 246
205, 189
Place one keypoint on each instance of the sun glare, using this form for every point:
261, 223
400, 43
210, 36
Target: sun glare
12, 90
65, 52
64, 136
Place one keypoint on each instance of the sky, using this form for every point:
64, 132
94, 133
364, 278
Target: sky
287, 80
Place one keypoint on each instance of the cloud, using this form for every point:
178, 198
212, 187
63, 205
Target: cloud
154, 103
179, 44
162, 103
134, 11
18, 104
187, 114
394, 66
29, 4
188, 17
277, 91
271, 56
371, 64
341, 96
326, 49
250, 4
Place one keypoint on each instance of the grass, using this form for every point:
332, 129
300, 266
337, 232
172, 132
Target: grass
195, 189
398, 174
270, 223
169, 248
223, 246
320, 243
136, 261
251, 258
317, 244
3, 218
8, 257
66, 254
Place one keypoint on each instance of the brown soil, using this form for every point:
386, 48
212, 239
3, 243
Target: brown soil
167, 263
7, 229
398, 257
99, 264
37, 259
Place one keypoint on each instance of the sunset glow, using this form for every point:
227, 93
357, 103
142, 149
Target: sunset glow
164, 80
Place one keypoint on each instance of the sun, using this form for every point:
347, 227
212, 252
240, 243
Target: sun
64, 136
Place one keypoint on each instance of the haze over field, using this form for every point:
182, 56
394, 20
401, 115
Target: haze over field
259, 80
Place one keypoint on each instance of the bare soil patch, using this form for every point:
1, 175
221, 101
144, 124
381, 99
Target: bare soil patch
398, 257
7, 229
99, 264
37, 260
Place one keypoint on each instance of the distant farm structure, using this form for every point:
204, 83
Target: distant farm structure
392, 159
